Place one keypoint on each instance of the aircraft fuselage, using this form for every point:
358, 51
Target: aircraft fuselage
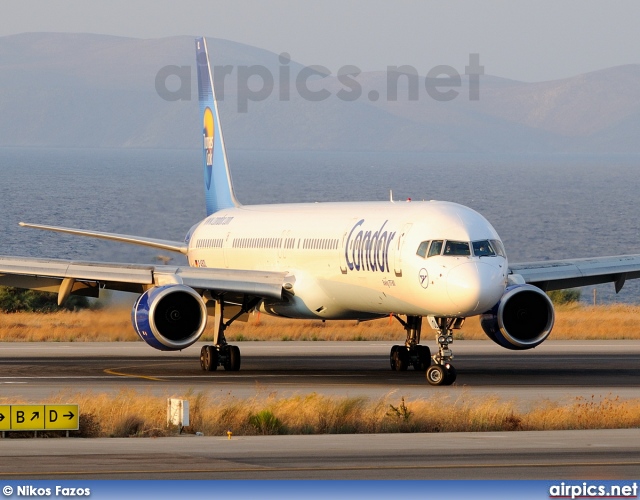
358, 260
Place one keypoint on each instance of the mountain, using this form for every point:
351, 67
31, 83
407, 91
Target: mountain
85, 90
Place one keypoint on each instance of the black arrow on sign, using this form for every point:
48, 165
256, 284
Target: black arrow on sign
1, 417
35, 415
69, 415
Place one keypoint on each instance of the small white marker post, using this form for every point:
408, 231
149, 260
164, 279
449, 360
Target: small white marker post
178, 413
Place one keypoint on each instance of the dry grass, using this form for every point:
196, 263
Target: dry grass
581, 322
132, 414
67, 326
572, 322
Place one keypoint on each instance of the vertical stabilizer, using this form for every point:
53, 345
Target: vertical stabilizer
218, 187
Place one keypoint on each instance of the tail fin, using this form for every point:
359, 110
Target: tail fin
218, 186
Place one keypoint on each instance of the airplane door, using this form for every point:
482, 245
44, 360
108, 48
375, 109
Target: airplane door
225, 252
342, 250
397, 267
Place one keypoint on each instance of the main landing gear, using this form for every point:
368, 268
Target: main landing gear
441, 372
411, 353
221, 353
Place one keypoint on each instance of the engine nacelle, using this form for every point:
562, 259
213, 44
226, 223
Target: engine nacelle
522, 319
170, 317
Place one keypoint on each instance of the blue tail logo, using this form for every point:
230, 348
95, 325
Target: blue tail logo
217, 178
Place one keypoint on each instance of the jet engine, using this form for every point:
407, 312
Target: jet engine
522, 319
170, 317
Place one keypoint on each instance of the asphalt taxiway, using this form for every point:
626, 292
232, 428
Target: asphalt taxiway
561, 455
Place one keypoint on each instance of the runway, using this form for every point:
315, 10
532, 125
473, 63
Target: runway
557, 370
554, 371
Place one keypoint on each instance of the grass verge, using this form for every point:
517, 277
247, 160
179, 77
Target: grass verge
133, 414
573, 322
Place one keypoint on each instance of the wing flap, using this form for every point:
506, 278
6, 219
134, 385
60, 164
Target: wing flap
570, 273
256, 283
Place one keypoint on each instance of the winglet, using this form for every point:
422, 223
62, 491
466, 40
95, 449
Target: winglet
218, 186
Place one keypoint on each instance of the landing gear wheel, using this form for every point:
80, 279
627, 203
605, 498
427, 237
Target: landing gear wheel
399, 358
437, 375
422, 359
441, 374
451, 374
232, 361
209, 358
393, 356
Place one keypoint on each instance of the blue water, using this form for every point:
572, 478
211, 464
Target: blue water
543, 207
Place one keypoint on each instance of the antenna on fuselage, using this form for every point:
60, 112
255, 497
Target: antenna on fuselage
391, 195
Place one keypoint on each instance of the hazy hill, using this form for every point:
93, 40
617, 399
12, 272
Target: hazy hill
82, 90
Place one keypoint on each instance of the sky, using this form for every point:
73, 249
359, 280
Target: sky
522, 40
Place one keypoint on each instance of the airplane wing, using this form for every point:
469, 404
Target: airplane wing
172, 246
559, 274
67, 277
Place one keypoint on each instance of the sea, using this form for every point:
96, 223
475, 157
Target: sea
544, 207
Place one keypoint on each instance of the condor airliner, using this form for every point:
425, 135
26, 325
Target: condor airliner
411, 260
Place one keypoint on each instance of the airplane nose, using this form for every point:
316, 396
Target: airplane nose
475, 287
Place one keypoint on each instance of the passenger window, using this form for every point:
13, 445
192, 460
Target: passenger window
422, 249
457, 248
435, 248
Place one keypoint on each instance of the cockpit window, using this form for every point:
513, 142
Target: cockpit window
457, 248
422, 249
430, 248
499, 248
483, 248
435, 248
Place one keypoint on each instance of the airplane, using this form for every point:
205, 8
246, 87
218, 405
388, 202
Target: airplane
327, 261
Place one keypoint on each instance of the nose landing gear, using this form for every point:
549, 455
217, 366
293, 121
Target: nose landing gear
441, 372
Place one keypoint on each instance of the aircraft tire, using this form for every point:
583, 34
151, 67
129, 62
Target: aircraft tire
437, 375
451, 375
232, 363
400, 359
209, 358
423, 358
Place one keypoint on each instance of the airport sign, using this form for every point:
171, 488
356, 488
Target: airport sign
65, 417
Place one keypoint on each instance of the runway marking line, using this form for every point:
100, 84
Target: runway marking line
167, 378
112, 371
327, 469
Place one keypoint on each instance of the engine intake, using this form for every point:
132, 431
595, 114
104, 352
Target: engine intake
169, 318
522, 319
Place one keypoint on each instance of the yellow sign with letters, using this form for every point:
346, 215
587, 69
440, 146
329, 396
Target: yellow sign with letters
27, 417
39, 417
62, 417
